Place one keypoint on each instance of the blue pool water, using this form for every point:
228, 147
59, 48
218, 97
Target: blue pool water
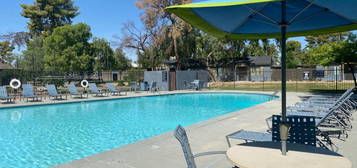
43, 136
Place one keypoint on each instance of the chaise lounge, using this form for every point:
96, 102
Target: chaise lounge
28, 93
74, 92
52, 92
95, 91
112, 89
5, 96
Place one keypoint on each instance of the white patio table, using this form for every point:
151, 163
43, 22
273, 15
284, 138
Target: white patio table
268, 155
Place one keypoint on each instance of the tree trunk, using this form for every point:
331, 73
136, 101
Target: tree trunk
353, 73
210, 71
178, 67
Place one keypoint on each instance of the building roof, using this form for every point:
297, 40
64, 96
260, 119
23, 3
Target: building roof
261, 60
5, 66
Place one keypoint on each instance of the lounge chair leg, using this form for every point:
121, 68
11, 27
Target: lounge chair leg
229, 143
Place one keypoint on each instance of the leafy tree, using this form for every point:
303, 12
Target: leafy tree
321, 55
270, 49
167, 37
103, 53
294, 54
139, 41
209, 47
166, 28
346, 52
68, 49
18, 39
121, 61
321, 50
316, 41
17, 60
6, 49
253, 48
33, 56
214, 50
46, 15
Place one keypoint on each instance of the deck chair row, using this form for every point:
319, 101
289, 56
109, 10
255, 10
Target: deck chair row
28, 92
331, 120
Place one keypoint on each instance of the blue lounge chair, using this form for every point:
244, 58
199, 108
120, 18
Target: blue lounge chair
333, 121
181, 136
112, 89
153, 87
197, 85
322, 106
133, 86
303, 131
74, 92
330, 98
95, 91
52, 92
144, 86
187, 85
5, 96
325, 103
329, 101
340, 108
28, 93
336, 117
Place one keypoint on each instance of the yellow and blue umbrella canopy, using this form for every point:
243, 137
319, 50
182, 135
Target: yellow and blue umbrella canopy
257, 19
261, 19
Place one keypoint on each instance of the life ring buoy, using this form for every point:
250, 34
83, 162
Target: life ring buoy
15, 83
84, 83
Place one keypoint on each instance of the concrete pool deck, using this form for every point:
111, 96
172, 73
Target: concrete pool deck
164, 150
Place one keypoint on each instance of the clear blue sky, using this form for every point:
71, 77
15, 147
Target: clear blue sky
105, 17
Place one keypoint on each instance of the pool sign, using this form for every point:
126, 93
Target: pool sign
306, 75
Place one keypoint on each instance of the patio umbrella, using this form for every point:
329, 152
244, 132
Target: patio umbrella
261, 19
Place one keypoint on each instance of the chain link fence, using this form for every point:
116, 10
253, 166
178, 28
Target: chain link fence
41, 78
298, 80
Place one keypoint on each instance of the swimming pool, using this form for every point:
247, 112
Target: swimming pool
48, 135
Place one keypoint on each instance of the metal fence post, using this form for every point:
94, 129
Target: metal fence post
235, 77
296, 80
336, 78
263, 81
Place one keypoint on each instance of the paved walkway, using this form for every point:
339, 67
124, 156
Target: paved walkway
165, 151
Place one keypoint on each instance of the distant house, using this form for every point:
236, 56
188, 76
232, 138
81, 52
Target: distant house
260, 68
329, 73
4, 77
112, 75
244, 69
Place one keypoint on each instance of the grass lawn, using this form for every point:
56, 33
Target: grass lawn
292, 86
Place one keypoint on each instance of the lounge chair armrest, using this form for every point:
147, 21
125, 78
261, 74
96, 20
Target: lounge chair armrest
251, 136
210, 153
234, 133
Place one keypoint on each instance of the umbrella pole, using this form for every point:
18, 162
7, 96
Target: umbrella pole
283, 26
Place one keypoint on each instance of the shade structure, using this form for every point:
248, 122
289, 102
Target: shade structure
261, 19
258, 19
